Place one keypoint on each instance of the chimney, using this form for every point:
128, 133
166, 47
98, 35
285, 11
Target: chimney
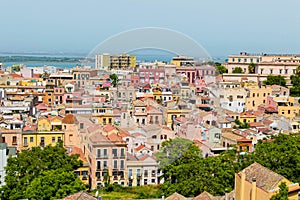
253, 189
243, 181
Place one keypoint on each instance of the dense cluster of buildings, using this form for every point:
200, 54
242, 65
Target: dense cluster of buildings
117, 130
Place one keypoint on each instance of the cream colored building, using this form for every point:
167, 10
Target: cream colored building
266, 64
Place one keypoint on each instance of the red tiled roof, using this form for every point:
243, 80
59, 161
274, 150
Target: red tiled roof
140, 147
109, 128
256, 124
77, 150
29, 128
15, 75
114, 137
69, 119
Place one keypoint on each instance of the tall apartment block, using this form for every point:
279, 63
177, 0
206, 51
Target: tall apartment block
115, 62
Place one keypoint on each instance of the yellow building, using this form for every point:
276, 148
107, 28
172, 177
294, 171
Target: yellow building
83, 171
182, 61
256, 182
32, 138
172, 114
103, 114
256, 95
286, 106
247, 117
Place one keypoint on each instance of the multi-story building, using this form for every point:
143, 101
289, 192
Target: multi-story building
107, 156
231, 96
5, 153
102, 61
256, 95
82, 76
265, 64
122, 62
182, 61
256, 182
142, 170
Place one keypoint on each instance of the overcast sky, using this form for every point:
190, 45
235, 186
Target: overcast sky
222, 26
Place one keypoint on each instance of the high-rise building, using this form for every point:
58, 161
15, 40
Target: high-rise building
115, 62
102, 61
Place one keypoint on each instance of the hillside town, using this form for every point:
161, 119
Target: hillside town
117, 114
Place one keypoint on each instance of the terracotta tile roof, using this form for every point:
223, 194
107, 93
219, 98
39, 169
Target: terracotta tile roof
29, 128
80, 196
139, 103
93, 128
124, 134
265, 178
140, 147
98, 138
176, 196
205, 196
70, 119
114, 138
15, 75
256, 124
231, 136
108, 128
42, 106
245, 114
77, 150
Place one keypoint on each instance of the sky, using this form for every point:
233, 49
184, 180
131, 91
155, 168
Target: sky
222, 27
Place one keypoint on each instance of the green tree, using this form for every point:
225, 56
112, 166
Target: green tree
238, 70
298, 70
30, 167
220, 68
115, 79
275, 80
295, 80
183, 166
283, 193
251, 68
281, 156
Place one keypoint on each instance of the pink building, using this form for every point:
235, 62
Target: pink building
152, 75
190, 72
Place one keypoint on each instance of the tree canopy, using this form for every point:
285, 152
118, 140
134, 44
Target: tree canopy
115, 79
220, 68
295, 80
188, 173
238, 70
275, 80
42, 173
283, 193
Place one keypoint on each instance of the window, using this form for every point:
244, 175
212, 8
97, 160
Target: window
53, 139
115, 164
122, 164
98, 165
105, 153
42, 141
146, 173
105, 164
115, 153
98, 153
25, 141
145, 181
271, 71
14, 140
130, 172
122, 153
3, 139
58, 138
153, 180
81, 125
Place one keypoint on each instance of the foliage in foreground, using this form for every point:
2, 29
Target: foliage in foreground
282, 194
190, 174
42, 174
116, 191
